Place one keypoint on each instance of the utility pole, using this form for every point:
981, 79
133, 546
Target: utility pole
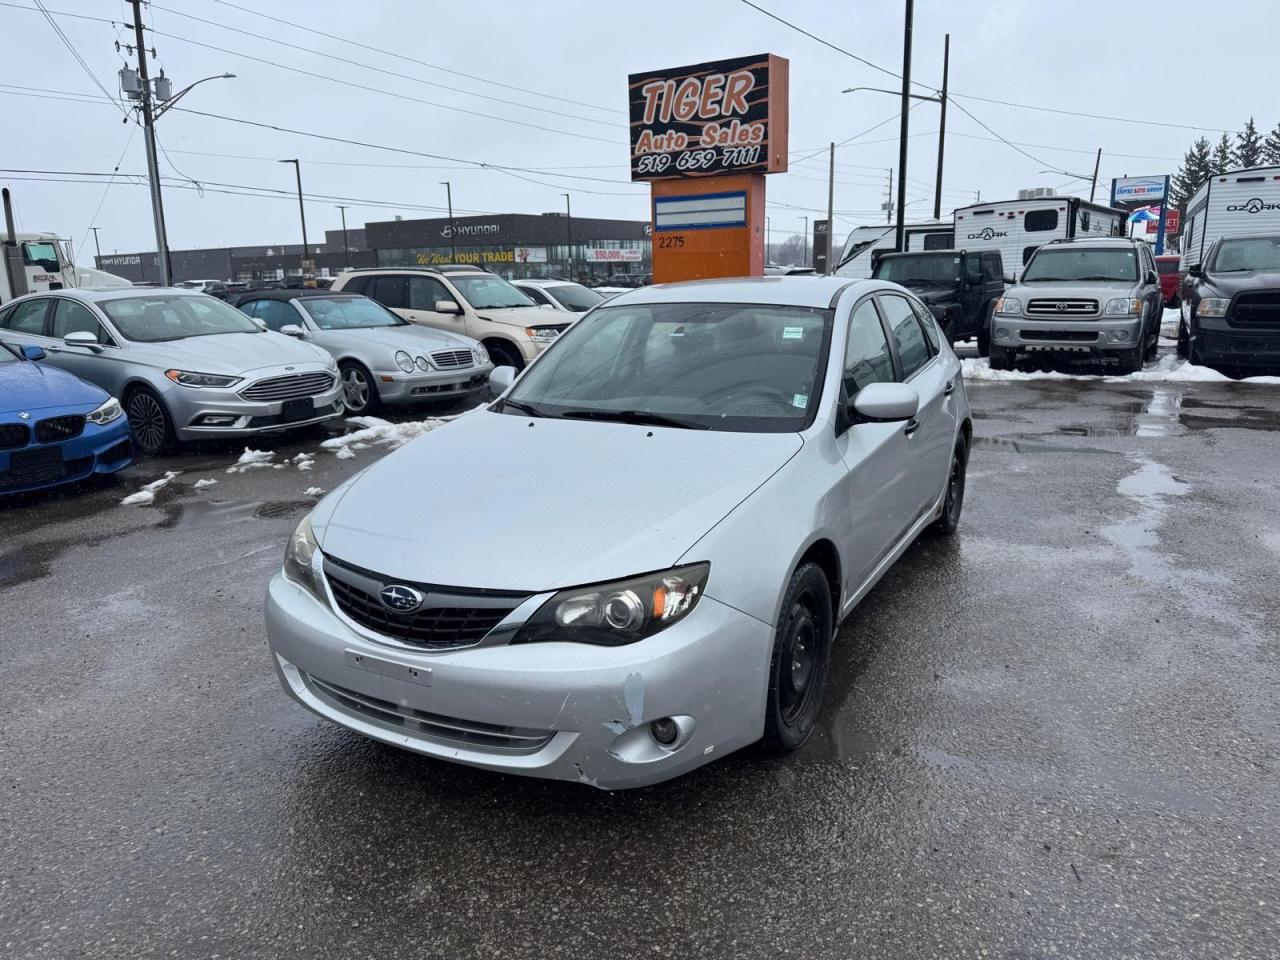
888, 201
942, 126
302, 211
831, 209
1097, 161
900, 239
95, 242
153, 166
568, 214
453, 244
346, 253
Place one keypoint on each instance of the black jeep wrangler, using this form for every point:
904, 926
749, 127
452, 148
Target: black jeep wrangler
959, 286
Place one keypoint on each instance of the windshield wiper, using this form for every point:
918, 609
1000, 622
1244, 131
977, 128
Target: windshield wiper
523, 407
633, 416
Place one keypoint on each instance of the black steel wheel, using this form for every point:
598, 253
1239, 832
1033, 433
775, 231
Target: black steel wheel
504, 355
1000, 359
149, 422
801, 660
1184, 341
946, 524
359, 392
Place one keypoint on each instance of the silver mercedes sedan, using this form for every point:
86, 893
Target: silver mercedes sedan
184, 364
718, 472
382, 358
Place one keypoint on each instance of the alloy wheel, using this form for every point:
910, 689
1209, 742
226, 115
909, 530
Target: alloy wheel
147, 421
355, 389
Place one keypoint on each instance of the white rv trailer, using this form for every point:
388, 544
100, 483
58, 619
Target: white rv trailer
1234, 203
865, 243
1018, 227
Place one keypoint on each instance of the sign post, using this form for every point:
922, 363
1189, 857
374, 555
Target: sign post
704, 136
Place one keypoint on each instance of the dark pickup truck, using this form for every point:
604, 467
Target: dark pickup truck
959, 286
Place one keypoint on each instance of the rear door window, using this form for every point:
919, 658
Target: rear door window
392, 291
28, 317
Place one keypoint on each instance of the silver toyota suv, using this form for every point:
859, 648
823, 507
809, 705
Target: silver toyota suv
1099, 297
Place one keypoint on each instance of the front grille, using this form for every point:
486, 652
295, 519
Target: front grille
1260, 309
435, 726
13, 435
1062, 307
452, 359
289, 388
1058, 335
448, 619
57, 429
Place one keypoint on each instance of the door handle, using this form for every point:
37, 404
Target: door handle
949, 389
912, 426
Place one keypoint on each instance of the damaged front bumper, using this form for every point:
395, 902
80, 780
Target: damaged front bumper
564, 711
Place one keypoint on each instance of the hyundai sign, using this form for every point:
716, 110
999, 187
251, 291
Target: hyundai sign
1126, 190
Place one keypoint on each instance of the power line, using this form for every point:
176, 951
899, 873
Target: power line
133, 128
66, 41
825, 43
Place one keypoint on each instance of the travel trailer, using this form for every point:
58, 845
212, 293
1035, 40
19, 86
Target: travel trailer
865, 245
1017, 228
1231, 204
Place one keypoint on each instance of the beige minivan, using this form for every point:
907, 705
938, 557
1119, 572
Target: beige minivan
466, 300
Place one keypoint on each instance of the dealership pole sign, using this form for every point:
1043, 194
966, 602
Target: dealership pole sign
704, 136
1129, 193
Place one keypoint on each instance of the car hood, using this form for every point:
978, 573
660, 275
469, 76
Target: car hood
1229, 284
511, 503
521, 316
1100, 290
230, 353
411, 337
31, 385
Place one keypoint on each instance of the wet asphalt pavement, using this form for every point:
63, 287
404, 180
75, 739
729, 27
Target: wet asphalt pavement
1055, 735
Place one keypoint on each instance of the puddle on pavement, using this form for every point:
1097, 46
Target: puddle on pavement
1159, 415
1207, 415
1035, 446
199, 514
1151, 486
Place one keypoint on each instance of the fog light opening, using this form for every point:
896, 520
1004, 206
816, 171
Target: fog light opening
1002, 333
664, 731
1122, 334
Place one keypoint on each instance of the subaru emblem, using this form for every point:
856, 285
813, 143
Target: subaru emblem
23, 415
401, 599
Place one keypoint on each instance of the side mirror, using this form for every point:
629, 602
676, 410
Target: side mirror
82, 338
501, 379
260, 324
448, 306
885, 403
32, 352
1195, 270
294, 330
1009, 279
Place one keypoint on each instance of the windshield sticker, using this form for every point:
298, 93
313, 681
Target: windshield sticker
793, 333
800, 401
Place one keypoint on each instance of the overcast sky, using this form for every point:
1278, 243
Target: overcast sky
1084, 56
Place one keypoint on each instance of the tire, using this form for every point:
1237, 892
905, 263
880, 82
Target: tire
1149, 353
984, 331
1184, 341
800, 662
504, 355
953, 504
1130, 361
359, 391
1195, 353
1000, 359
149, 422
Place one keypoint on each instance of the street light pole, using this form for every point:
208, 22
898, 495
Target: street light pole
831, 211
568, 213
302, 211
95, 241
346, 252
900, 236
453, 244
942, 126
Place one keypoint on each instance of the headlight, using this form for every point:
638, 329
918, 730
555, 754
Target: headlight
542, 334
482, 355
1008, 305
190, 379
1122, 307
422, 364
1213, 307
611, 614
298, 555
404, 361
110, 410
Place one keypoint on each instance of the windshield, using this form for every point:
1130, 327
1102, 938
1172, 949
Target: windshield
574, 296
349, 313
716, 366
918, 271
1058, 263
174, 317
1254, 253
486, 292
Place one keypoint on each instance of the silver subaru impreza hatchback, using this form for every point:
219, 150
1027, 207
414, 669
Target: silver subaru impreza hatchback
664, 520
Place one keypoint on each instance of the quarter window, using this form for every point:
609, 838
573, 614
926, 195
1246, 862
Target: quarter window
913, 349
27, 317
1037, 220
866, 356
356, 285
72, 317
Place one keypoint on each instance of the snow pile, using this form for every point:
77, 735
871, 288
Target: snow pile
201, 484
977, 368
376, 432
1168, 369
312, 492
148, 492
251, 460
304, 461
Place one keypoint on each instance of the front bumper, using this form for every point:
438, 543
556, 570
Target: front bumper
204, 413
396, 386
562, 711
1099, 336
99, 449
1238, 347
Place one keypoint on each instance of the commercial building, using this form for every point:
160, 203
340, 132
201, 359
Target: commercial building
511, 245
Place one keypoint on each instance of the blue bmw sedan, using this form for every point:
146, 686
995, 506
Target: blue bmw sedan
54, 427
